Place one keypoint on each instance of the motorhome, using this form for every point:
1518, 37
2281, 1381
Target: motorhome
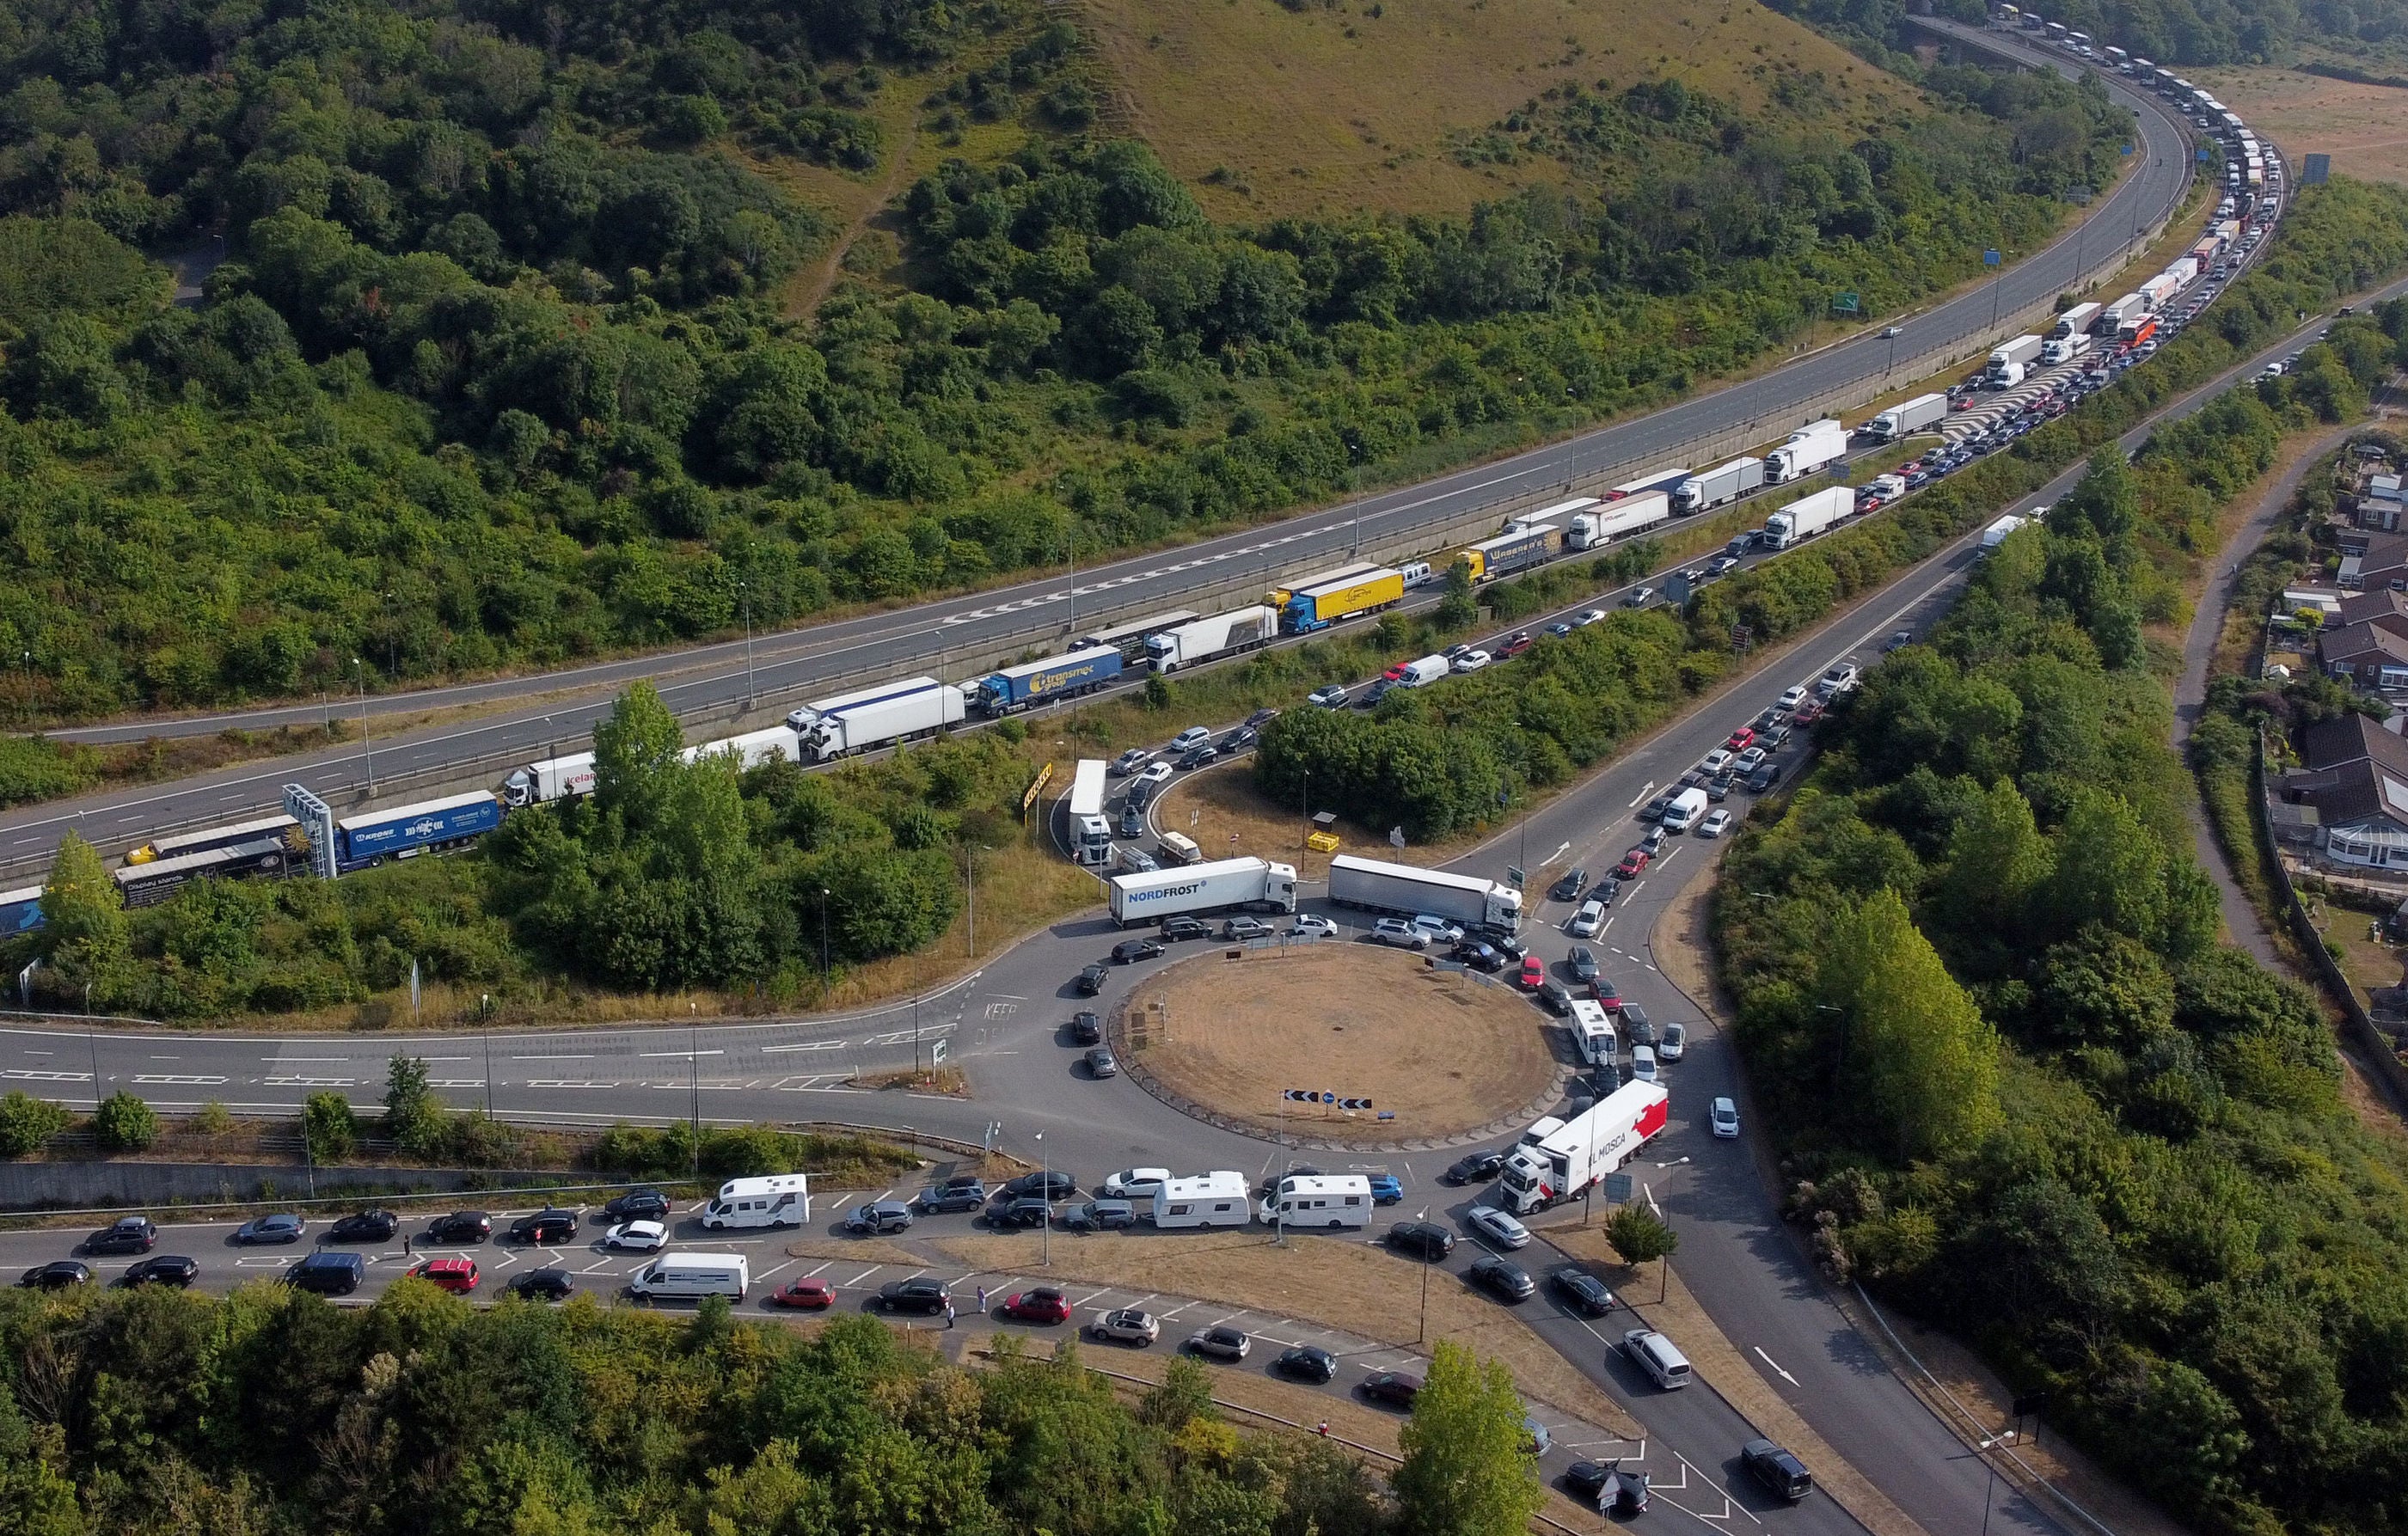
776, 1199
1319, 1199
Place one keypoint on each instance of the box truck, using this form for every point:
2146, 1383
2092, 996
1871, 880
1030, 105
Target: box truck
1229, 885
1996, 533
1611, 520
2009, 360
751, 749
1409, 892
2063, 349
1528, 544
1593, 1031
553, 779
1316, 608
1724, 484
1809, 449
1091, 832
856, 722
2074, 322
1334, 1200
1203, 640
407, 831
772, 1200
1043, 682
1208, 1199
1806, 517
1585, 1149
1908, 418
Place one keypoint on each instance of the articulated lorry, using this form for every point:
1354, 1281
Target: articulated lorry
407, 831
1806, 517
1130, 639
2074, 322
1316, 608
1411, 892
1203, 640
553, 779
1241, 884
1043, 682
2010, 360
1091, 833
1997, 533
2111, 319
1809, 449
1528, 544
751, 749
1561, 1163
1719, 486
1907, 419
830, 729
1611, 519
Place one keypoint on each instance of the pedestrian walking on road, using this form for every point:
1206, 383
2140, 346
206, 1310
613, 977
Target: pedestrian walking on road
982, 1298
405, 1245
948, 1311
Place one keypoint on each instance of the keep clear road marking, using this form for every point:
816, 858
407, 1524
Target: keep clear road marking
1775, 1369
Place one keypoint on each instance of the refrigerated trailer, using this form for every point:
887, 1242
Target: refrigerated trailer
1611, 519
1806, 517
873, 717
1043, 682
407, 831
1203, 640
1410, 892
1528, 544
751, 749
2074, 322
1907, 418
1091, 833
1130, 638
553, 779
1719, 486
1565, 1161
1229, 885
1809, 449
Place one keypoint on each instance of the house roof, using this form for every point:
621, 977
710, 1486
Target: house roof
2363, 792
2357, 642
2330, 745
2382, 607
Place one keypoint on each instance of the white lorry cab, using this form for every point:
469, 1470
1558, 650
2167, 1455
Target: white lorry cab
776, 1199
1208, 1199
691, 1277
1319, 1199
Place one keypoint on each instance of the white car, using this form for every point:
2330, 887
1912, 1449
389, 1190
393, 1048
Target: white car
1126, 1326
1498, 1227
1396, 931
1673, 1042
1312, 924
1587, 921
1642, 1064
1792, 698
1471, 661
1193, 737
1752, 759
1154, 774
1715, 824
1716, 760
1639, 598
1723, 1117
1589, 616
1327, 699
1441, 931
1135, 1184
636, 1236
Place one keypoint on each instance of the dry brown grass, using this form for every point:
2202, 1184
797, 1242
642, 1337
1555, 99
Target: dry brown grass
1439, 1050
2363, 127
1330, 108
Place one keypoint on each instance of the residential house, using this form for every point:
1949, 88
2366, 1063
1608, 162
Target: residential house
2367, 656
2372, 561
2357, 782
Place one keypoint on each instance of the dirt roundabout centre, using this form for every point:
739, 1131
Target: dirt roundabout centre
1443, 1052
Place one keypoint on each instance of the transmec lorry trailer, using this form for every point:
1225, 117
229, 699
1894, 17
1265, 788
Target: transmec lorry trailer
1249, 884
1043, 682
1410, 892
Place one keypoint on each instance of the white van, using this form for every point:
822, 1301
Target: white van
692, 1277
777, 1199
1655, 1355
1209, 1200
1181, 847
1319, 1199
1687, 809
1416, 573
1421, 673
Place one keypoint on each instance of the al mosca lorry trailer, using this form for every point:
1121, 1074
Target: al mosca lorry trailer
1043, 682
1568, 1159
1202, 639
1908, 418
1528, 544
1316, 608
856, 722
1806, 517
1710, 488
1611, 519
1251, 883
1410, 892
1809, 449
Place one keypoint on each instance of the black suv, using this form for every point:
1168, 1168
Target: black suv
1086, 1028
546, 1285
1091, 981
1782, 1474
126, 1235
461, 1226
164, 1269
548, 1226
364, 1226
1177, 928
636, 1205
1051, 1185
1030, 1212
960, 1197
1424, 1240
927, 1296
1502, 1278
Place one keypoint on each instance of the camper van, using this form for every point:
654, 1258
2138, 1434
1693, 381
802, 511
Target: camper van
1319, 1199
777, 1199
1209, 1200
690, 1277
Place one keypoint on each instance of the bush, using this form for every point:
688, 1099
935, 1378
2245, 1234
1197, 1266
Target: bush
125, 1122
27, 1122
330, 1125
213, 1119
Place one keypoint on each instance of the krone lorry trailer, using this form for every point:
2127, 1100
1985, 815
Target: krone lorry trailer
1410, 892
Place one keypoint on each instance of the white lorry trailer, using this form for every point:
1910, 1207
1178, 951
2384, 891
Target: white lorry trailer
1907, 418
1806, 517
871, 717
751, 749
2009, 360
2074, 322
1203, 640
1996, 533
2157, 290
1719, 486
553, 779
1091, 831
1809, 449
1611, 519
1584, 1150
1411, 892
2130, 307
1251, 884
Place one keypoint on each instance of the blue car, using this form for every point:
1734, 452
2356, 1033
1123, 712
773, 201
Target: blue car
1386, 1190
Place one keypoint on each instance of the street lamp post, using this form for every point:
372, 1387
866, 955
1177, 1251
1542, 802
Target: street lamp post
827, 977
368, 743
1045, 1187
1421, 1331
693, 1070
745, 591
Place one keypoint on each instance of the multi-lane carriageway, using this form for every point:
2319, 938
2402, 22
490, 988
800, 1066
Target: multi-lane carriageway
532, 716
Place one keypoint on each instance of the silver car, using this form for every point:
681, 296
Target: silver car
1396, 931
1499, 1227
1126, 1326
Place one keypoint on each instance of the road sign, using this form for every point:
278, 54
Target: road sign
1036, 787
1515, 876
2205, 155
1396, 837
1990, 258
1354, 1103
2316, 169
2028, 1404
1617, 1187
937, 1052
1844, 303
2128, 148
317, 819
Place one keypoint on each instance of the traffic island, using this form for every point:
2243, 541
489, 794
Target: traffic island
1397, 1052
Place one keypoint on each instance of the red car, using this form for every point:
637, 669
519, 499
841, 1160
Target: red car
1809, 712
453, 1273
1606, 993
1042, 1305
1741, 739
809, 1294
1632, 862
1534, 973
1514, 647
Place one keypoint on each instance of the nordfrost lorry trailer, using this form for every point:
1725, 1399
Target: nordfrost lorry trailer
1611, 519
1410, 892
1907, 419
1584, 1150
1251, 884
1809, 449
1806, 517
1202, 639
1043, 682
1710, 488
856, 722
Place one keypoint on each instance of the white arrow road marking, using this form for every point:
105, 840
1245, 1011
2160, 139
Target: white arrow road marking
1644, 794
1776, 1370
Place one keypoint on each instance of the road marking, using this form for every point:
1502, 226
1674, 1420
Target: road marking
810, 1045
1776, 1370
552, 1058
681, 1055
170, 1077
1641, 794
864, 1275
273, 1060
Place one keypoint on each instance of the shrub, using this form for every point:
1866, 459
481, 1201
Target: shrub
27, 1122
330, 1125
125, 1122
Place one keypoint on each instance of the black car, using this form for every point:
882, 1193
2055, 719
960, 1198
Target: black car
552, 1225
1238, 739
1306, 1364
1586, 1480
1020, 1214
1782, 1474
1583, 961
1051, 1185
1582, 1290
1130, 951
1556, 997
328, 1272
1195, 757
549, 1283
1425, 1240
927, 1296
1260, 718
1502, 1278
1100, 1216
1486, 958
57, 1276
1371, 696
1396, 1388
1636, 1027
1176, 929
1086, 1028
1091, 981
1656, 809
1764, 778
164, 1269
1474, 1167
945, 1198
1133, 817
366, 1227
1570, 887
461, 1226
126, 1235
636, 1205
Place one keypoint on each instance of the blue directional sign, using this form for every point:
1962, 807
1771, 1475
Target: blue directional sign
2206, 155
1990, 258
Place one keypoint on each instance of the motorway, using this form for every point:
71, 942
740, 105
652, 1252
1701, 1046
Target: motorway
534, 716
